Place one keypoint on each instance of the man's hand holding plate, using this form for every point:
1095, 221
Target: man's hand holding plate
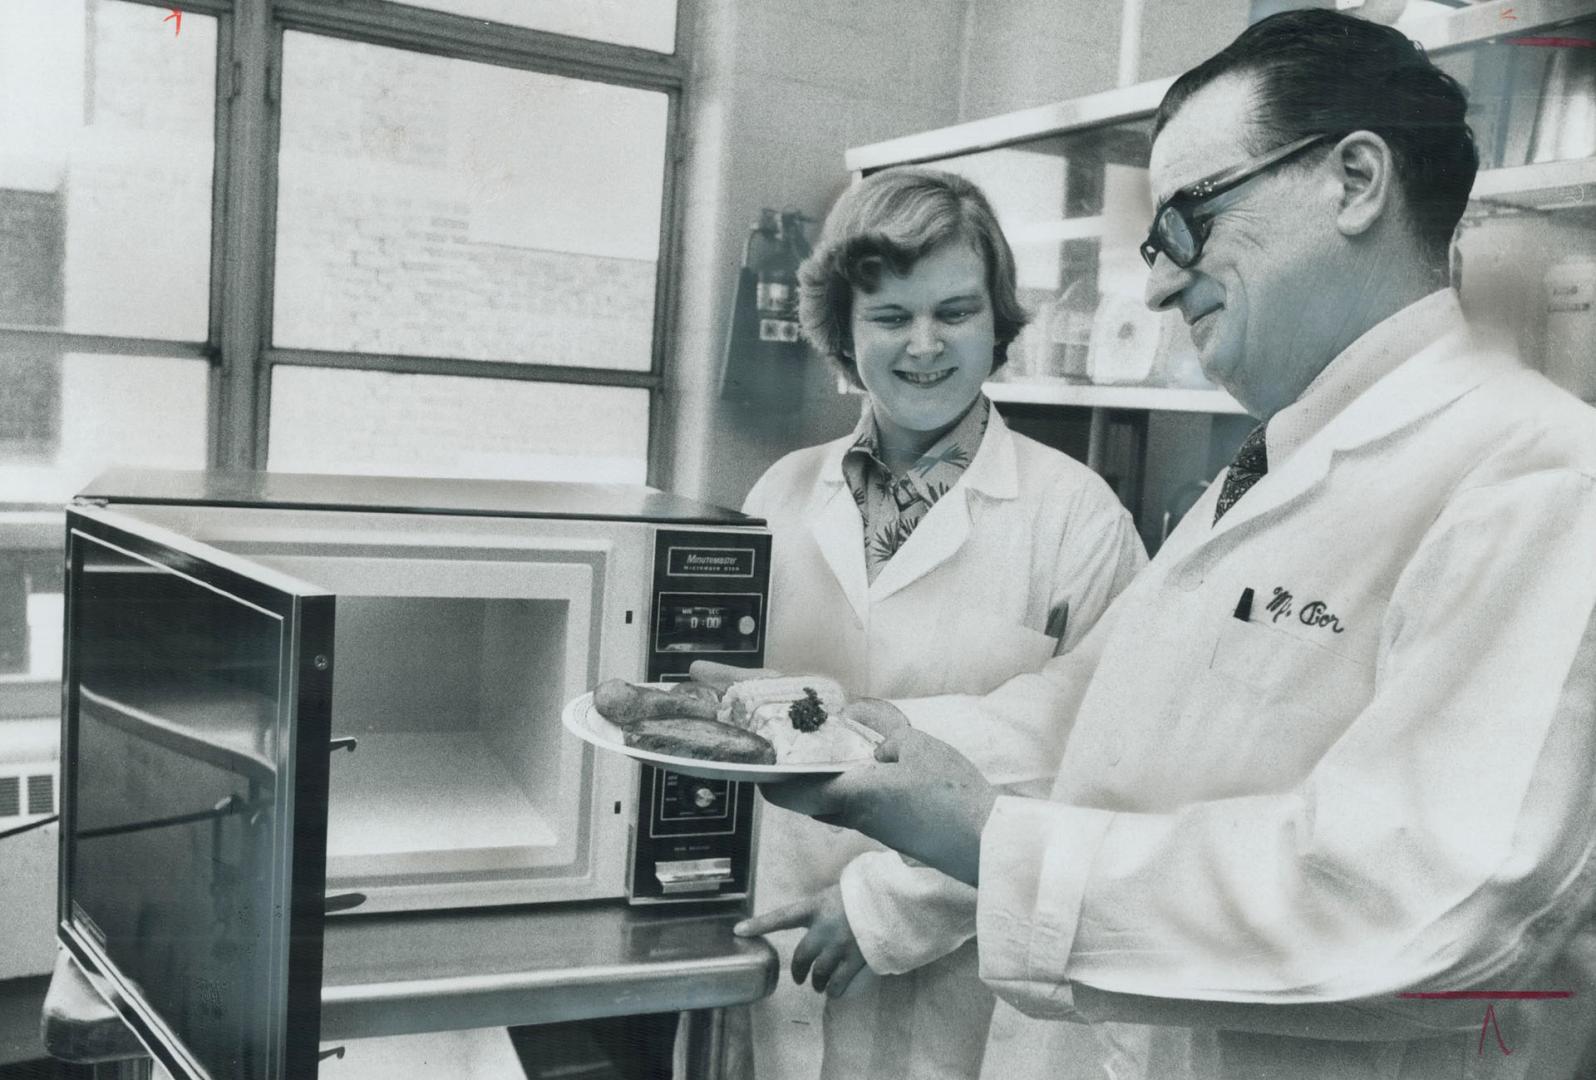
921, 797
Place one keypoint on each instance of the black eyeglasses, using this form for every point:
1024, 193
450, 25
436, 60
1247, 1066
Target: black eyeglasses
1179, 228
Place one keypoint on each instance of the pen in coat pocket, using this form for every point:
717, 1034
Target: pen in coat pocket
1058, 621
1244, 606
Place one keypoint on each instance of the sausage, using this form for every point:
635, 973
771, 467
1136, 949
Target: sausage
620, 702
706, 740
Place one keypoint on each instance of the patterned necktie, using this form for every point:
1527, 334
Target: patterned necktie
1249, 466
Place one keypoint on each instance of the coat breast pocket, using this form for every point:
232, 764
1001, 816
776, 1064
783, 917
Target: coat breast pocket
991, 651
1275, 701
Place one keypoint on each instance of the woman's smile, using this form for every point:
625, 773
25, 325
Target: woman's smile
925, 378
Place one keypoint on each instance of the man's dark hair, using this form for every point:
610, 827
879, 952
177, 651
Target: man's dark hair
1322, 72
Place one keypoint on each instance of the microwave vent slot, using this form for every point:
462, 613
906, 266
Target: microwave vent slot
10, 796
41, 794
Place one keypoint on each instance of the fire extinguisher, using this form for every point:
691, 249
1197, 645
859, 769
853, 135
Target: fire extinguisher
765, 356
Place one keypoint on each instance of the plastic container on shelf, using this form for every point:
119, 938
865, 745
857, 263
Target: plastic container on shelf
1069, 332
1570, 291
1125, 345
1501, 264
1029, 352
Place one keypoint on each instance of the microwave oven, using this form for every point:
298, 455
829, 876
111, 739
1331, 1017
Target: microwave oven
288, 697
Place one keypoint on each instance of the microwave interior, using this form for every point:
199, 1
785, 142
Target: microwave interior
457, 644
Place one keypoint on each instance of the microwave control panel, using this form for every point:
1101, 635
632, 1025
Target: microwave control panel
694, 837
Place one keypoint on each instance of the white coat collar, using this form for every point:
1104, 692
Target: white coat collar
1439, 373
1360, 365
838, 529
994, 471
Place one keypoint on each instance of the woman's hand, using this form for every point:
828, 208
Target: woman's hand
829, 952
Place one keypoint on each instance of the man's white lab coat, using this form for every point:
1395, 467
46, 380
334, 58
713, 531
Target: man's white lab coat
960, 608
1380, 781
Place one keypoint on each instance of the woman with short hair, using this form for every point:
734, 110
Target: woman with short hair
930, 551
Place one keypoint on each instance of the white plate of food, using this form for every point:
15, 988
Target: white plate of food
747, 733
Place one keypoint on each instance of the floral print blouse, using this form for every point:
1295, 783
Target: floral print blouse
892, 506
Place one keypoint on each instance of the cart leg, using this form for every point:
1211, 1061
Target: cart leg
700, 1043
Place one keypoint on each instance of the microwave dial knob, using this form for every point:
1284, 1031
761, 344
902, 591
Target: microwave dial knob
703, 797
746, 626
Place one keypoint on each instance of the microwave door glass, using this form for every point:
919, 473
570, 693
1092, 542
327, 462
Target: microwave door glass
180, 881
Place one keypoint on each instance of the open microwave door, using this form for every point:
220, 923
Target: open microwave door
194, 797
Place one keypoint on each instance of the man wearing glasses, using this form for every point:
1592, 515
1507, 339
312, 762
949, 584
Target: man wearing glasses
1334, 753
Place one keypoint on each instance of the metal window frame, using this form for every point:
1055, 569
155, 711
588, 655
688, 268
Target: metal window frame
238, 347
175, 348
394, 25
248, 95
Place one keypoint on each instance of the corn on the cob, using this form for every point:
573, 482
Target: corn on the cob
741, 699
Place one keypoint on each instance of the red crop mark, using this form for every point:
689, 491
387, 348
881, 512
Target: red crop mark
1507, 15
1491, 996
178, 27
1490, 1019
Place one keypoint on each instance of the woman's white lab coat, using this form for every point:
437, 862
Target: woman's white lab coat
960, 608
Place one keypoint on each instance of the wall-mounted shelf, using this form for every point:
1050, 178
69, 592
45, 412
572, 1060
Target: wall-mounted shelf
1159, 398
1054, 232
1551, 185
1500, 18
1076, 114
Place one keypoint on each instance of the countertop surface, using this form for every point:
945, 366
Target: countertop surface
505, 967
398, 974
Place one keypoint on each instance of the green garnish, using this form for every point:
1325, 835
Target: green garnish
808, 714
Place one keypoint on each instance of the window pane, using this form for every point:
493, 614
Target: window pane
80, 414
437, 207
31, 607
106, 152
373, 422
647, 24
63, 420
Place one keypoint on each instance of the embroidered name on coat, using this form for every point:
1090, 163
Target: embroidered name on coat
1315, 613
